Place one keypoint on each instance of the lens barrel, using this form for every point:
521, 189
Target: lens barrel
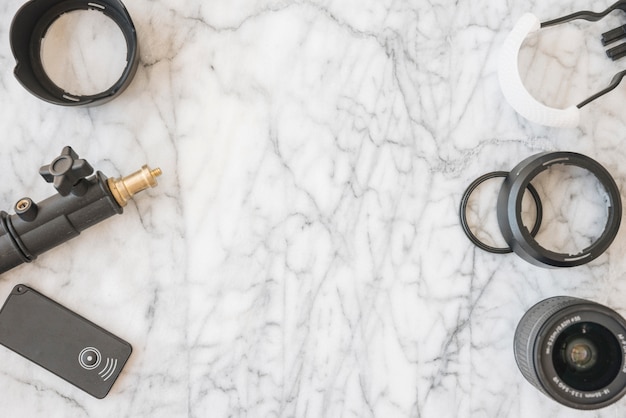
573, 350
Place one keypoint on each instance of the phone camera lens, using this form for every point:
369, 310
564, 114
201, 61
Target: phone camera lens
573, 351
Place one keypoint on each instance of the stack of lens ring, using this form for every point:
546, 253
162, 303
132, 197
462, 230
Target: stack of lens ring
509, 210
572, 350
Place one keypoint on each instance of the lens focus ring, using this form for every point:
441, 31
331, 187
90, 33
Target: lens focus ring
528, 330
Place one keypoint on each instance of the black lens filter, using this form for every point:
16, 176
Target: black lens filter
463, 212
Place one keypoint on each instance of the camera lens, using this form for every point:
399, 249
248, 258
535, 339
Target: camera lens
573, 351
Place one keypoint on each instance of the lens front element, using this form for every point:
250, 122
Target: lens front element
580, 354
588, 357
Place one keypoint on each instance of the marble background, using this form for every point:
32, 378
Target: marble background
302, 254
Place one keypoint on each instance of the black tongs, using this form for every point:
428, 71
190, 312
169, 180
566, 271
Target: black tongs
609, 37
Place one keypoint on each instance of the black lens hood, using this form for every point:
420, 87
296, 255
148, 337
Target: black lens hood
509, 210
29, 27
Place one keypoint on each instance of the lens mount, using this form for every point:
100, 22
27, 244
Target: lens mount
29, 27
510, 210
573, 350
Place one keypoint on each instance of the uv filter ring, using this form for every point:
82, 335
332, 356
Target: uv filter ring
463, 212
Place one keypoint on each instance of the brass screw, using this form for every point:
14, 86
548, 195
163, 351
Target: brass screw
124, 188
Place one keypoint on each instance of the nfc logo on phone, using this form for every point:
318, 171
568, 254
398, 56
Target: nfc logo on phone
90, 358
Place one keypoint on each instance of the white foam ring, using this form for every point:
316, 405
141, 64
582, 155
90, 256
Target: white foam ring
513, 88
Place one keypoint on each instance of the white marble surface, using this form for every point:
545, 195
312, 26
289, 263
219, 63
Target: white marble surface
302, 255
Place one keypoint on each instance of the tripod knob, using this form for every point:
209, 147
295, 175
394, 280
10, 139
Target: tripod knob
66, 171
